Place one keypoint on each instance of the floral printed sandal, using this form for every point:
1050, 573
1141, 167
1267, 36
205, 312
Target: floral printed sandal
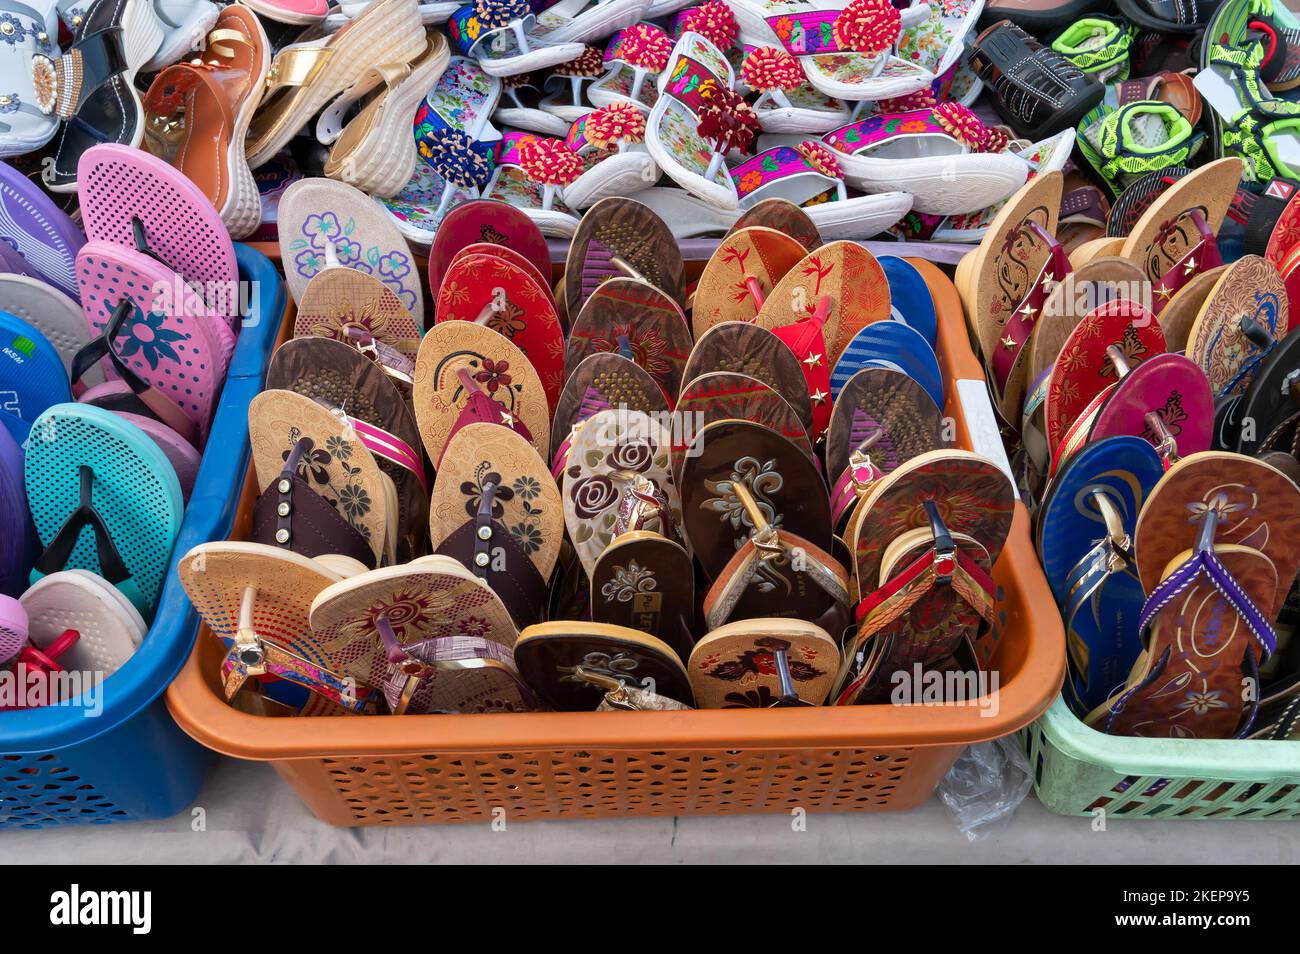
429, 636
787, 102
532, 174
621, 237
496, 509
637, 321
92, 85
338, 465
645, 579
558, 658
633, 61
600, 382
1242, 319
324, 223
502, 35
880, 421
565, 86
338, 376
610, 141
740, 275
763, 664
467, 372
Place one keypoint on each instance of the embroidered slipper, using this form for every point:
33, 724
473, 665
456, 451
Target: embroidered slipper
563, 21
337, 376
53, 314
738, 666
601, 381
731, 396
972, 495
154, 330
531, 175
324, 223
92, 85
565, 86
496, 509
18, 548
133, 199
750, 350
637, 321
783, 216
459, 147
372, 149
33, 375
784, 483
520, 108
1243, 316
610, 141
893, 345
632, 63
1084, 535
306, 76
109, 629
429, 635
621, 237
644, 579
557, 658
29, 30
497, 294
257, 600
348, 305
504, 37
787, 102
197, 115
331, 456
881, 420
460, 364
43, 234
90, 470
611, 450
740, 275
483, 221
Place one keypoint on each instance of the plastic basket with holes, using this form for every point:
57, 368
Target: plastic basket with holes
1079, 771
455, 768
129, 762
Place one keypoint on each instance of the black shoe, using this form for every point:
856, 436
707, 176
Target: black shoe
1035, 89
1169, 16
1040, 17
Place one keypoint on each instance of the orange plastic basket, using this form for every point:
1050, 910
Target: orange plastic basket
456, 768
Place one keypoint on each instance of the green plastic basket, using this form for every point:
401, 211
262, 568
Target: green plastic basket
1079, 771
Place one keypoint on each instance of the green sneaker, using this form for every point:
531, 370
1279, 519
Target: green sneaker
1125, 143
1098, 45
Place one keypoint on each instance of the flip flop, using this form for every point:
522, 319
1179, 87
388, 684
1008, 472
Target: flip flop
732, 396
325, 223
496, 293
893, 345
147, 320
53, 314
496, 509
43, 234
336, 462
484, 221
741, 274
337, 376
787, 102
783, 216
92, 85
1272, 400
494, 367
110, 629
601, 381
257, 600
910, 301
735, 666
18, 550
88, 469
881, 419
13, 629
1249, 295
972, 495
741, 348
307, 75
610, 141
136, 200
554, 656
638, 321
532, 174
181, 454
621, 237
33, 375
1085, 538
347, 305
612, 450
502, 36
405, 628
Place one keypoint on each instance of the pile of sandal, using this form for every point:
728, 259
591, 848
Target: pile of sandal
116, 345
1149, 393
622, 492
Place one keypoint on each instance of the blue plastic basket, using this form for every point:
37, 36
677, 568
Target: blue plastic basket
131, 762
